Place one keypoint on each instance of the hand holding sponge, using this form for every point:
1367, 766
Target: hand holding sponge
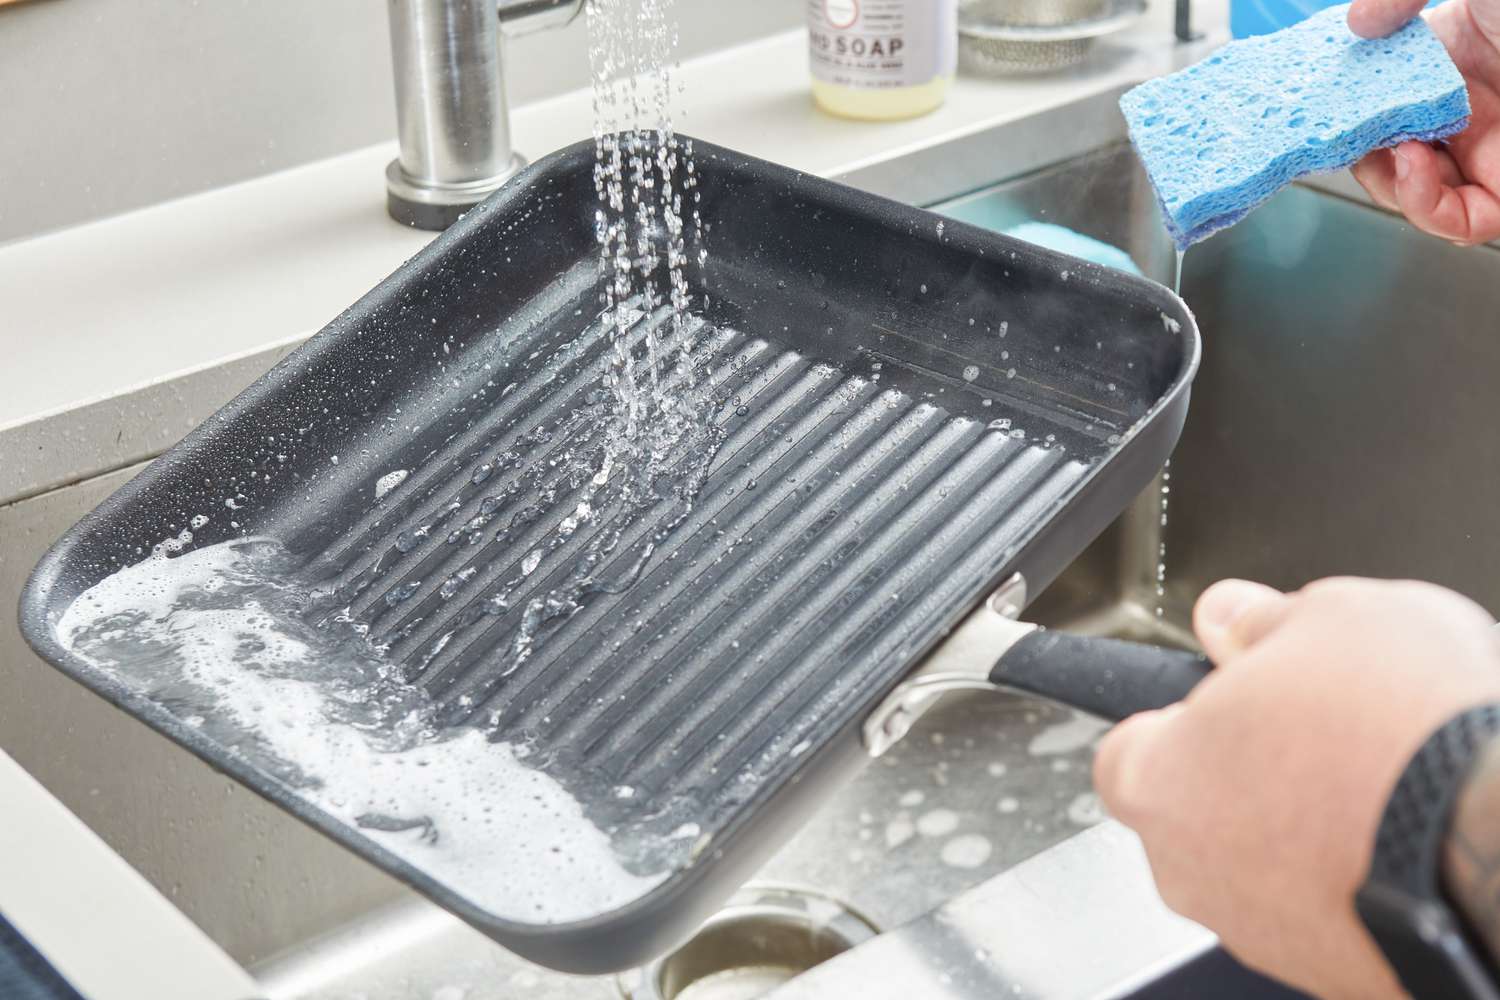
1222, 136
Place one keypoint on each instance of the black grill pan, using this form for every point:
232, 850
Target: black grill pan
914, 412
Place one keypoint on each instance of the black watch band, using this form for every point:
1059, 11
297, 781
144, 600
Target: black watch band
1402, 901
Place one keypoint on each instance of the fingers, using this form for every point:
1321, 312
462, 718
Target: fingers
1449, 171
1121, 776
1427, 186
1233, 615
1377, 18
1230, 616
1376, 173
1427, 195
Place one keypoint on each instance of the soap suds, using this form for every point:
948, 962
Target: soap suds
208, 635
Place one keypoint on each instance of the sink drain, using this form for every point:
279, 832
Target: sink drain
766, 936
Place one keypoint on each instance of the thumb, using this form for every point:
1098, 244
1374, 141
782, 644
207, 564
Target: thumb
1233, 615
1378, 18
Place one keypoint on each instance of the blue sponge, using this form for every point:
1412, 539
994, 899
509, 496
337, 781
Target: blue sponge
1220, 137
1064, 240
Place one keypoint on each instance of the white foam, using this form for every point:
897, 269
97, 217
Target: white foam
458, 807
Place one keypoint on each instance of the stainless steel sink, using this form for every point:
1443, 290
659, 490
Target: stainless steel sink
1337, 426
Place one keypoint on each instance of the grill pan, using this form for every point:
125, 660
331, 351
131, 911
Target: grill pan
921, 420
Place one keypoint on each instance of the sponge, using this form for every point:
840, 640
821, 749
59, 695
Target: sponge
1222, 136
1065, 240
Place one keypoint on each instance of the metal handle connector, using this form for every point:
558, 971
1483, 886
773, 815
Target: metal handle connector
961, 663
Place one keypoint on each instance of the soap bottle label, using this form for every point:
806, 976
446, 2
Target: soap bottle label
872, 44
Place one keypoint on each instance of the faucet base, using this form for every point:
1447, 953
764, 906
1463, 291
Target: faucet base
435, 207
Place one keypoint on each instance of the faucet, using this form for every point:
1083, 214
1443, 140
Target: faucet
1182, 22
452, 118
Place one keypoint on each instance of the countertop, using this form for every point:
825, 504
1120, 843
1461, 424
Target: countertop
116, 310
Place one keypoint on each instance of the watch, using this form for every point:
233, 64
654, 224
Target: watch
1402, 902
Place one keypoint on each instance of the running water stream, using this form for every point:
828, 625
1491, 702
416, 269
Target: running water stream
659, 441
1164, 486
644, 177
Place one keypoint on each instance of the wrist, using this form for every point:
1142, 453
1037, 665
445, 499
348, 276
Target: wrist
1470, 863
1413, 905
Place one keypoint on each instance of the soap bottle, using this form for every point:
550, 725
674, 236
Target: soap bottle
881, 60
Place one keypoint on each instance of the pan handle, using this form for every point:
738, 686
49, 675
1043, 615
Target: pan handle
1109, 678
990, 649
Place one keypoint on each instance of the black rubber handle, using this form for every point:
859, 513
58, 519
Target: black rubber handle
1109, 678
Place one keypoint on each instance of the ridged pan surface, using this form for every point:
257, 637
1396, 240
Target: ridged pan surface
902, 413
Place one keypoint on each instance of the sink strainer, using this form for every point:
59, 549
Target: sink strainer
765, 937
1037, 36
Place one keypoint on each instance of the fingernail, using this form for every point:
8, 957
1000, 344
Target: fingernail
1403, 165
1222, 603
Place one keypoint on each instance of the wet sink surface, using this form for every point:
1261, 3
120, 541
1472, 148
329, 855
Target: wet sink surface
982, 783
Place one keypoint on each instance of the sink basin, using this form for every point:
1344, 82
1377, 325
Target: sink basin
1326, 436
